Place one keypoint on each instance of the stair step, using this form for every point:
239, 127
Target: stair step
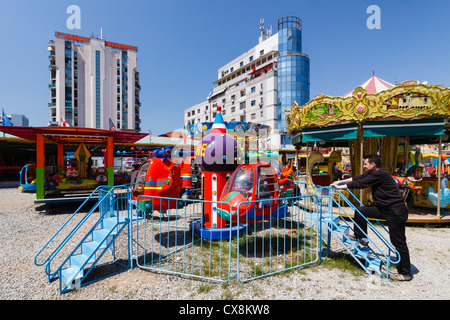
111, 223
373, 264
70, 276
333, 218
80, 260
341, 228
89, 247
100, 236
347, 240
362, 252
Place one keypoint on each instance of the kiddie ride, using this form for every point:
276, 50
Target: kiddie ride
27, 176
233, 194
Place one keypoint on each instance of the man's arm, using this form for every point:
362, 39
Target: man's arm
341, 184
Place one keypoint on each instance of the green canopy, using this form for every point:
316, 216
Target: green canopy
342, 132
407, 128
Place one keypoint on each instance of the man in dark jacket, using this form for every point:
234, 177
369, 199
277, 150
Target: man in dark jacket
389, 205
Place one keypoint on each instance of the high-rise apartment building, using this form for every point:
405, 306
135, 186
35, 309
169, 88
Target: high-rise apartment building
259, 84
92, 81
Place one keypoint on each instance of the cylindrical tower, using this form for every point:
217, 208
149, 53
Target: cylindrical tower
293, 81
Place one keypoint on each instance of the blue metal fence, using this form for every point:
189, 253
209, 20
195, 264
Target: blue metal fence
175, 241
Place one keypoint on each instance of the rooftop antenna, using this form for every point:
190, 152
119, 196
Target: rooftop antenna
101, 33
264, 35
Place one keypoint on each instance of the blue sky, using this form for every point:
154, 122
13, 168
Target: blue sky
182, 43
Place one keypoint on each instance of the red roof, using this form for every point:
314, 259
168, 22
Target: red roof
73, 135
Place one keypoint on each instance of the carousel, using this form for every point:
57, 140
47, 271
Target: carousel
401, 123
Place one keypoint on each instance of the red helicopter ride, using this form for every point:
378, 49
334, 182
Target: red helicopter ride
156, 179
253, 192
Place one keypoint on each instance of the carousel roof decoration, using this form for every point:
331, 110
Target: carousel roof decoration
373, 85
375, 100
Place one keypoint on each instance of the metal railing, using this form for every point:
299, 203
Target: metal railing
334, 202
67, 241
285, 241
176, 240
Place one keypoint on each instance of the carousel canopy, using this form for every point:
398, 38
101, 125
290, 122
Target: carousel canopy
73, 135
373, 85
408, 109
428, 127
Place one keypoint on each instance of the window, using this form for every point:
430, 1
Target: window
261, 53
241, 63
233, 109
253, 89
250, 59
253, 103
139, 180
242, 105
253, 116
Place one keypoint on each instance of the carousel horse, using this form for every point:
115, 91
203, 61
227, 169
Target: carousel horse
408, 183
314, 157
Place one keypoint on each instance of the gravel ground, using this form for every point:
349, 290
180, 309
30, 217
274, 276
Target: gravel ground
23, 231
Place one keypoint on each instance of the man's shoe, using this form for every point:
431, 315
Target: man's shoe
362, 241
400, 277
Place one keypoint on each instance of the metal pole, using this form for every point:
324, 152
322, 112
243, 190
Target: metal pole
361, 158
438, 214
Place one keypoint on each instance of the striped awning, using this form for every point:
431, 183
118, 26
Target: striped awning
373, 85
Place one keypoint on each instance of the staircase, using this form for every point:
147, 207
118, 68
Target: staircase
365, 256
104, 221
374, 258
91, 251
